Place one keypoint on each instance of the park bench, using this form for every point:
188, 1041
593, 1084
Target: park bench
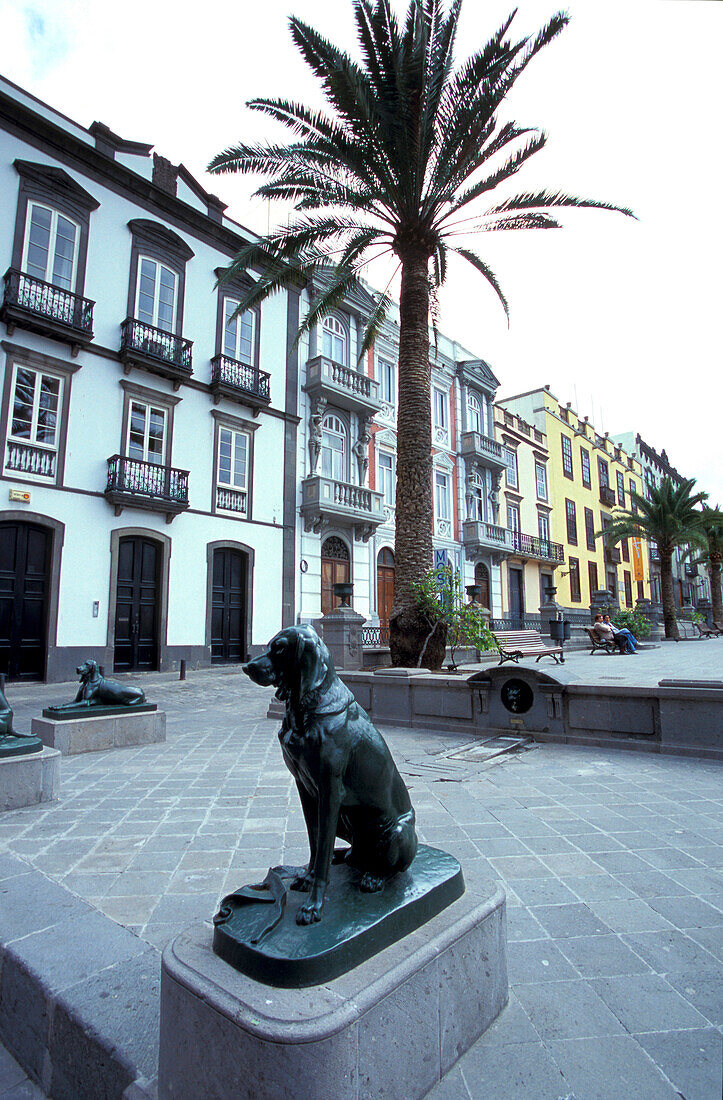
514, 644
600, 645
706, 631
687, 631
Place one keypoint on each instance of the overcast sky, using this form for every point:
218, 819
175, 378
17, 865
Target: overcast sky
622, 318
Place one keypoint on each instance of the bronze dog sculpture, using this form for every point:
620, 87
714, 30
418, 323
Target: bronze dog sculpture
347, 781
95, 690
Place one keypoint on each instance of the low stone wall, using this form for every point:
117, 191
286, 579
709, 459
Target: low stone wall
94, 734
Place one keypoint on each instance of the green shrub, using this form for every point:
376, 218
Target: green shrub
440, 597
637, 624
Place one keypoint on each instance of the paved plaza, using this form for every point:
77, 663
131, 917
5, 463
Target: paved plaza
611, 861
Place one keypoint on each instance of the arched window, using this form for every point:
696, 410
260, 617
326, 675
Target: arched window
333, 448
335, 569
482, 578
333, 340
474, 415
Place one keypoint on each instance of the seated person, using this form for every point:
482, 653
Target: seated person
605, 634
627, 634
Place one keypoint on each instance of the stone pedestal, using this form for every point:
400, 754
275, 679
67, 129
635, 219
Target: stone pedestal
341, 631
548, 611
653, 612
391, 1027
603, 603
106, 731
27, 780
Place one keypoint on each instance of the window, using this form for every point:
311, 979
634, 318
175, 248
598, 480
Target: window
511, 460
633, 489
238, 332
440, 409
385, 464
146, 440
441, 496
333, 448
603, 474
474, 415
589, 529
513, 518
543, 530
585, 465
625, 549
575, 594
385, 369
232, 475
156, 295
51, 246
592, 578
571, 518
627, 582
33, 423
477, 505
566, 456
333, 340
621, 489
541, 481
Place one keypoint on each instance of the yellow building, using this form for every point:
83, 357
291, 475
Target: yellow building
588, 476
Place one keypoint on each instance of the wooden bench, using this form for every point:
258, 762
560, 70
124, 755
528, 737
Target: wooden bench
706, 631
600, 645
514, 644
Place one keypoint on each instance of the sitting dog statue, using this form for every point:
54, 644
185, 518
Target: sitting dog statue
95, 690
348, 783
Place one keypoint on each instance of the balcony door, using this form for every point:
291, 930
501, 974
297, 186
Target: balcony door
147, 433
156, 295
228, 606
334, 448
385, 586
136, 608
24, 590
335, 569
51, 247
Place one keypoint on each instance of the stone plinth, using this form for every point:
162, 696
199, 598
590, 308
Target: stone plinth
94, 734
27, 780
391, 1027
341, 631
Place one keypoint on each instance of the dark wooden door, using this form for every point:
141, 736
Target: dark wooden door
482, 578
385, 586
228, 606
335, 569
24, 584
517, 594
136, 605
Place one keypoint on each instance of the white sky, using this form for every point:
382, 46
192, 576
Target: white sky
621, 318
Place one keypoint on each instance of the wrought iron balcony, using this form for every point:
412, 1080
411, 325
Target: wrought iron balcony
240, 382
481, 447
479, 536
136, 484
528, 546
30, 461
156, 351
607, 496
46, 309
342, 386
613, 555
326, 501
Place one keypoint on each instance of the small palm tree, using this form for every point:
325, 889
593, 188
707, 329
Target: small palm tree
709, 541
404, 163
669, 516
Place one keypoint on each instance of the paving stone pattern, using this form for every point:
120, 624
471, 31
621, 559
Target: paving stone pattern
611, 861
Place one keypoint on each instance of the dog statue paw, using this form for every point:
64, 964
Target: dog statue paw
348, 784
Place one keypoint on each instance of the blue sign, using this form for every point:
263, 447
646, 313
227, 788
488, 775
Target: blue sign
440, 559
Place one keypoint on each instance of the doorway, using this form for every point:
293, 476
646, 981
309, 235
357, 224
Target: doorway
335, 569
385, 591
517, 596
136, 607
482, 578
228, 606
24, 587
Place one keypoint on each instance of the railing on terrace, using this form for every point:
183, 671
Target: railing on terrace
24, 458
241, 376
375, 636
517, 622
536, 547
52, 303
231, 500
145, 479
154, 343
607, 496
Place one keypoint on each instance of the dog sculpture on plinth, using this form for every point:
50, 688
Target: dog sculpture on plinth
95, 690
348, 783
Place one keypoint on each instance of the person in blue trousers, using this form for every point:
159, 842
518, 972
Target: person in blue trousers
631, 640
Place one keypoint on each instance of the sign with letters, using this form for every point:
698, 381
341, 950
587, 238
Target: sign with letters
637, 548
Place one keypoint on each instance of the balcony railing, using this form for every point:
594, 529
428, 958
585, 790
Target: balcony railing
521, 621
232, 500
326, 501
607, 496
344, 387
47, 309
529, 546
613, 555
240, 381
478, 535
161, 352
138, 484
481, 446
24, 458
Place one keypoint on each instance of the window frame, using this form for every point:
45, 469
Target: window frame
628, 587
592, 569
160, 265
341, 333
228, 299
543, 519
510, 452
392, 500
447, 495
574, 575
389, 398
153, 241
585, 468
620, 484
603, 466
150, 407
540, 467
567, 467
475, 411
571, 521
632, 488
590, 529
52, 243
345, 451
228, 421
441, 424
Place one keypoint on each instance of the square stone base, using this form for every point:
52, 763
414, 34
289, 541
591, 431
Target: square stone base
27, 780
111, 731
391, 1027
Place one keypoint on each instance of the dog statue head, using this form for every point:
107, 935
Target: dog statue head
296, 663
87, 671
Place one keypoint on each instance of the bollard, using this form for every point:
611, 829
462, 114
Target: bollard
182, 675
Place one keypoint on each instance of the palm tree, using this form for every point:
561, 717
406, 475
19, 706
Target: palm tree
408, 146
669, 516
709, 541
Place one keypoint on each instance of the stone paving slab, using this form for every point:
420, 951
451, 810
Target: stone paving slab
612, 862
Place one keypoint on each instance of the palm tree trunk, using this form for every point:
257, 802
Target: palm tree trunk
666, 593
414, 513
714, 568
